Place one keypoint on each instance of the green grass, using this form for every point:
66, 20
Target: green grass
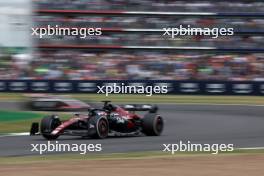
9, 116
14, 122
254, 100
178, 99
15, 127
11, 96
115, 156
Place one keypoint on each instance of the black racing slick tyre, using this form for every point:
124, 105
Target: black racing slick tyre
101, 127
152, 124
48, 124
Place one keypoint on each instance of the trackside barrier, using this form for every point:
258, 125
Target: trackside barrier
174, 87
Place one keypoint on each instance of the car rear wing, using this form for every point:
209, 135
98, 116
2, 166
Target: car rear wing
141, 107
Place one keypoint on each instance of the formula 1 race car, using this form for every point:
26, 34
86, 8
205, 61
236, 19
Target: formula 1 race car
99, 123
57, 104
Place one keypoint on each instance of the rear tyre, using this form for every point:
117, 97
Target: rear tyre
152, 124
48, 124
101, 127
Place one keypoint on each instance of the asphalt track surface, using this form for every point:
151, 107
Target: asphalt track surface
240, 125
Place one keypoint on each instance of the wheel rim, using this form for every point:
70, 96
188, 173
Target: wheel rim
103, 128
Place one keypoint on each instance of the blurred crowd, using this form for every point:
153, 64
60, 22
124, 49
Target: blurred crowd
154, 5
148, 22
139, 64
152, 22
143, 39
153, 39
76, 65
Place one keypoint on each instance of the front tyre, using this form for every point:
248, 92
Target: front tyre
48, 124
152, 124
101, 127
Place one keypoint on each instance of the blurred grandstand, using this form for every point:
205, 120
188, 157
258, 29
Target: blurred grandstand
100, 57
77, 65
156, 5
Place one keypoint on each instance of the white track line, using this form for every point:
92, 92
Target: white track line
251, 148
27, 134
15, 134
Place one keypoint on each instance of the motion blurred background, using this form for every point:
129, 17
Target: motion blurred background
131, 24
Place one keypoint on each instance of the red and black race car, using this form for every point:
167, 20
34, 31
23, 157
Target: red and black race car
57, 104
99, 123
50, 102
